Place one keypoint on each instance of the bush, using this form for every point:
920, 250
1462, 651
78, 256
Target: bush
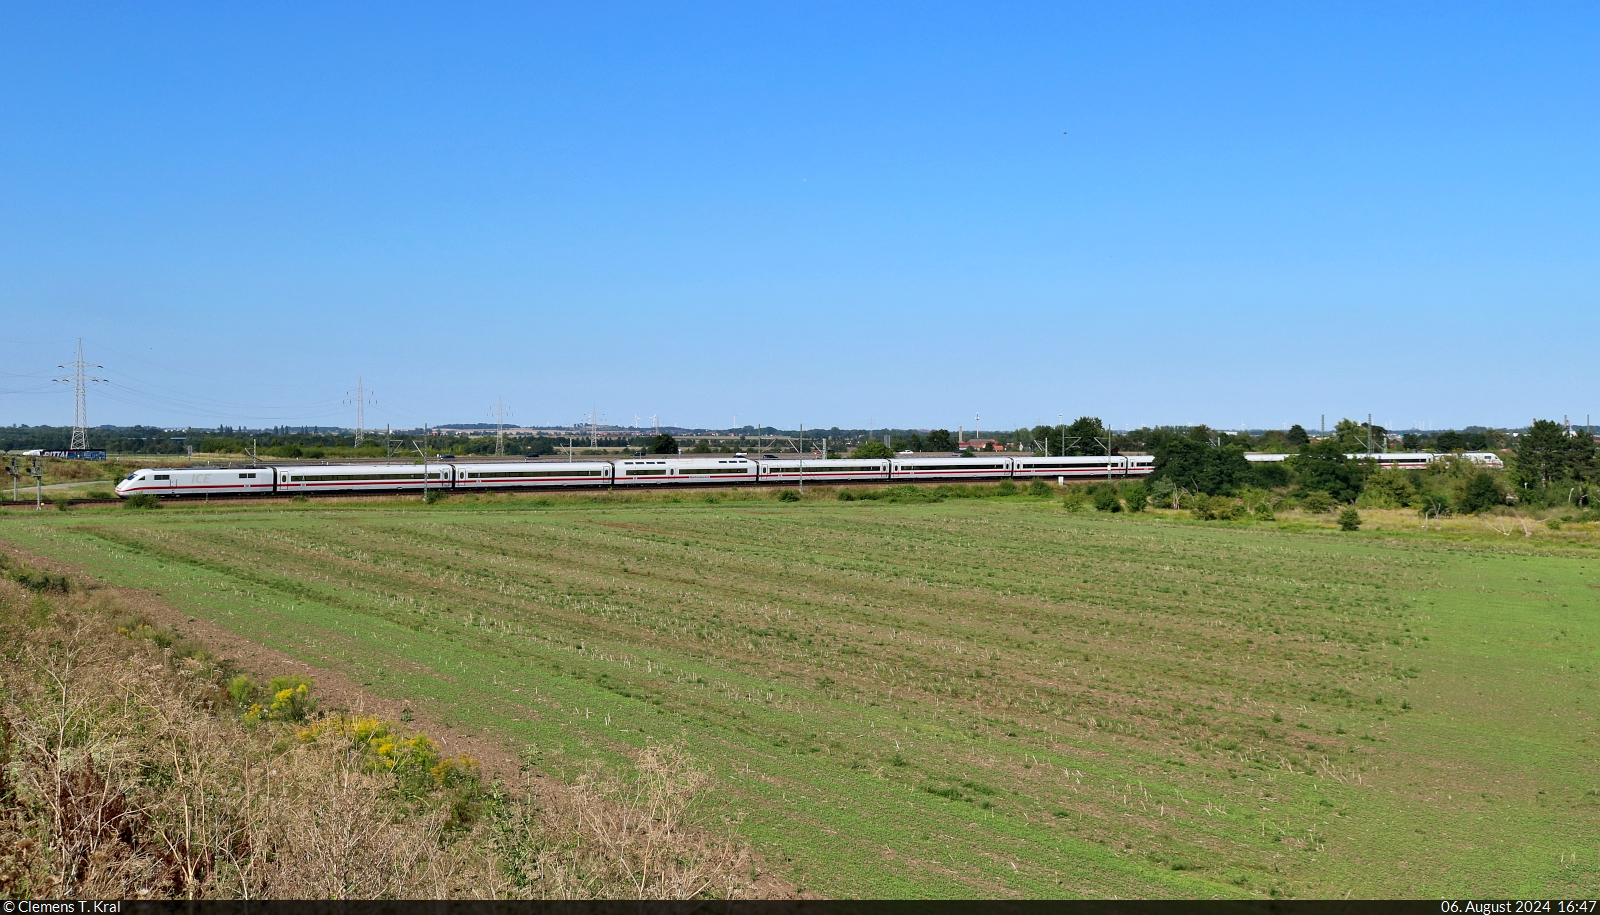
1388, 489
1164, 493
143, 500
846, 495
1317, 502
290, 700
1477, 492
1038, 488
1006, 488
1213, 508
432, 496
1433, 503
1349, 519
788, 495
1135, 495
1105, 498
1074, 499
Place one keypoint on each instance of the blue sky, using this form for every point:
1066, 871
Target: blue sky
1237, 214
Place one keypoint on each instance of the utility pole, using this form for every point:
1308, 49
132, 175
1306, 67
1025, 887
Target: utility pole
499, 427
1369, 433
15, 466
37, 472
360, 400
594, 426
802, 450
80, 398
423, 453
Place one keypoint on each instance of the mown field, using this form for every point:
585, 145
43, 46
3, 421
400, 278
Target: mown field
966, 698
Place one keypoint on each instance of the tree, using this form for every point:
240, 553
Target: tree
1349, 519
663, 444
872, 449
1354, 436
1449, 441
1085, 429
1323, 467
1388, 489
1477, 492
1297, 436
1546, 453
1198, 466
941, 440
701, 447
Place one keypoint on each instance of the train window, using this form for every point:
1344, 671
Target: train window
163, 476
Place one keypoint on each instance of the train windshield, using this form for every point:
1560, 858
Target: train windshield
131, 476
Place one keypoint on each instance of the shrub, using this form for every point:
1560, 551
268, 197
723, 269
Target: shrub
141, 501
290, 701
846, 495
1257, 502
1317, 502
1006, 488
1213, 508
1074, 499
432, 496
1105, 498
1164, 493
1477, 492
788, 495
1038, 488
1135, 495
1388, 489
242, 690
1349, 519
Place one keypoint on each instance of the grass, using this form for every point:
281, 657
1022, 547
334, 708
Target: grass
973, 697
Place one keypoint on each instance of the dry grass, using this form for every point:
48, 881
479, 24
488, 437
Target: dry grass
125, 772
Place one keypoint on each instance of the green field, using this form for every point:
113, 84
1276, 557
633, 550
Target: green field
965, 698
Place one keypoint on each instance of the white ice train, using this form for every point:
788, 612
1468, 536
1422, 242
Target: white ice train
656, 471
1405, 460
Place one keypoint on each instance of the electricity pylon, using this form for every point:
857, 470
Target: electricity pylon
360, 400
80, 398
499, 427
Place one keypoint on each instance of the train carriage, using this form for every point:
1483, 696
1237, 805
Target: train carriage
532, 474
1083, 468
678, 471
363, 478
912, 469
831, 470
196, 481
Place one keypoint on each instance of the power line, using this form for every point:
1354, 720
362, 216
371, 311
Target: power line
80, 401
